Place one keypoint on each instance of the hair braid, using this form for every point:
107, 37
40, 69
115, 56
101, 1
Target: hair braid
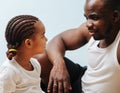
18, 29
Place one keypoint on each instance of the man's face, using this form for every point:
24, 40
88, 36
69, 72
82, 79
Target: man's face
99, 19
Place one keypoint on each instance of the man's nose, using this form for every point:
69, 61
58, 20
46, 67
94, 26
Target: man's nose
89, 24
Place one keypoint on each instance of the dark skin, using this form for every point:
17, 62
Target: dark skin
46, 67
102, 24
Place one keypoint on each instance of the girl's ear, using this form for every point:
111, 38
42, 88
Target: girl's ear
116, 16
28, 43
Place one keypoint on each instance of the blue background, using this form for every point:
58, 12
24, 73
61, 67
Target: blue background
57, 16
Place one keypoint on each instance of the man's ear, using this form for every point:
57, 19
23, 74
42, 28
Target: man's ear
28, 43
116, 16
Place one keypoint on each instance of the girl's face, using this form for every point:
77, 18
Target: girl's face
39, 39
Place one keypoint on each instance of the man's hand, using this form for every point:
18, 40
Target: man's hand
59, 80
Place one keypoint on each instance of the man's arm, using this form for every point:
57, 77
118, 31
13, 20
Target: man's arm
67, 40
46, 67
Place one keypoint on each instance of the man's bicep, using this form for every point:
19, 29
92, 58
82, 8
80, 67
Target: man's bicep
75, 38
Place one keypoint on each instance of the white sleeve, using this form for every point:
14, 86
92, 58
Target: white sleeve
36, 65
7, 81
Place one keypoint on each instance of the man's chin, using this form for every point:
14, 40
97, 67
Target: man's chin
97, 38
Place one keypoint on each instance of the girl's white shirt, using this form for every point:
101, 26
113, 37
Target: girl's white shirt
15, 79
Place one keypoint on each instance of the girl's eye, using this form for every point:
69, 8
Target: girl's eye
86, 18
42, 36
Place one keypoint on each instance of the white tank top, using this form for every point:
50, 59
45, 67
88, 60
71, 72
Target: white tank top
103, 73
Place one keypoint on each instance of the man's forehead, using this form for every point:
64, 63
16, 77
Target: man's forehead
94, 4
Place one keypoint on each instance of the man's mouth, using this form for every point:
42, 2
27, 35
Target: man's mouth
92, 33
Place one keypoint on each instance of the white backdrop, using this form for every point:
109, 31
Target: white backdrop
57, 16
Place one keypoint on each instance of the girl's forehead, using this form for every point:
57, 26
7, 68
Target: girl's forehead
39, 27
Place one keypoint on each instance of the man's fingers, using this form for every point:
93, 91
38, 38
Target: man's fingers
60, 87
67, 87
55, 86
50, 84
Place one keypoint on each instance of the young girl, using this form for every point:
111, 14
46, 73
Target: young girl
25, 36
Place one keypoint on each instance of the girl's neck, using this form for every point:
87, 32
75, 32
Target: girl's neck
24, 61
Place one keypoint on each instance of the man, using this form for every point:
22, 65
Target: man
102, 33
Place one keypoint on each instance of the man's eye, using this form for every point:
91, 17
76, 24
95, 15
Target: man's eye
94, 17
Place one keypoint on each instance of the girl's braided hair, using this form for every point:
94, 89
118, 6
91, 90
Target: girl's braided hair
18, 29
